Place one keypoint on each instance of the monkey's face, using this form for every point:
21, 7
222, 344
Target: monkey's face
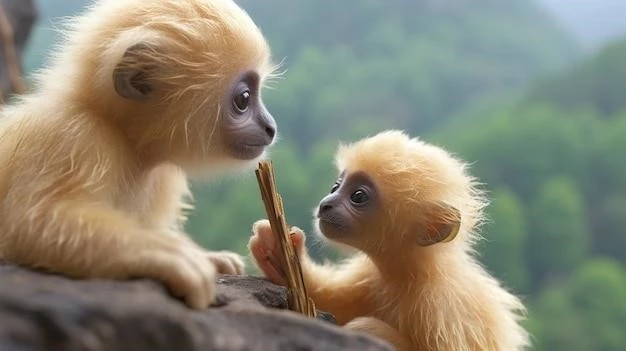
195, 101
394, 193
248, 126
363, 212
230, 125
349, 208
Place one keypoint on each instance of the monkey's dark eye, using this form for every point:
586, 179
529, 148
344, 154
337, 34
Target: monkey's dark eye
241, 101
334, 187
359, 197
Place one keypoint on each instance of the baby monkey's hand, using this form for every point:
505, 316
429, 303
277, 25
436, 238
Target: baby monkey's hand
265, 249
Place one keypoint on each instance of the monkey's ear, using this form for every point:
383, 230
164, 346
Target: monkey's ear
133, 74
442, 224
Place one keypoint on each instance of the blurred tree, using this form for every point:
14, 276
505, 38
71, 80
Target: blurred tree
505, 240
597, 293
610, 227
555, 323
558, 239
599, 83
521, 146
587, 313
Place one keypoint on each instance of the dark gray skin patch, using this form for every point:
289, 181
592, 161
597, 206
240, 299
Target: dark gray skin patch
249, 128
131, 76
352, 198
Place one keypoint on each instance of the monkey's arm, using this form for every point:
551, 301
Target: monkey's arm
341, 290
89, 240
170, 198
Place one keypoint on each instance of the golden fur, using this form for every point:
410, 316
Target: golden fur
93, 185
435, 297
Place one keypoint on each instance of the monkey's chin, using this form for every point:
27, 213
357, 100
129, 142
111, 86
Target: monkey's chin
248, 152
334, 239
329, 229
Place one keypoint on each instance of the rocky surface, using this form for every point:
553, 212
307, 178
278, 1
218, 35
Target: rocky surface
46, 312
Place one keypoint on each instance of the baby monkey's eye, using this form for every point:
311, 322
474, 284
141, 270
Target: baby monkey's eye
241, 101
359, 197
334, 187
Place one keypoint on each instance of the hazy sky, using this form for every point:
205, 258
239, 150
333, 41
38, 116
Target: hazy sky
593, 21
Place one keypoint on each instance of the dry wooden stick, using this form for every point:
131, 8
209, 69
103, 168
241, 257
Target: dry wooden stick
297, 297
12, 61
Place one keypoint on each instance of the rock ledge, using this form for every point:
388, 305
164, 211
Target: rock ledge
40, 311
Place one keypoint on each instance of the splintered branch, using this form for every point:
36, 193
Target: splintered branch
12, 61
297, 297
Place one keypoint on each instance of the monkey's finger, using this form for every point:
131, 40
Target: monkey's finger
265, 233
263, 259
237, 262
256, 248
240, 265
223, 265
209, 277
200, 291
262, 225
196, 295
183, 280
266, 260
207, 272
297, 230
268, 239
273, 269
297, 238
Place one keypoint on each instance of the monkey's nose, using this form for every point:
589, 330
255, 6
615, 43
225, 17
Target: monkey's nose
270, 131
267, 123
324, 208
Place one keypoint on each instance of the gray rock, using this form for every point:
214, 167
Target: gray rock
41, 311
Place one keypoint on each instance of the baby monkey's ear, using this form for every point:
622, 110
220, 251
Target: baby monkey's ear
441, 224
133, 76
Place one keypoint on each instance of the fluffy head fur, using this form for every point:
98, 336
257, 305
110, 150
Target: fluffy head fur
192, 50
413, 177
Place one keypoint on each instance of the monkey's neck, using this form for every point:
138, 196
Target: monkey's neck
418, 265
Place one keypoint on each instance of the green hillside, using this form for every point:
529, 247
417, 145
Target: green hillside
599, 83
412, 62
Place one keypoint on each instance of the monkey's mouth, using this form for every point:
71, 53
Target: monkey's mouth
331, 226
248, 151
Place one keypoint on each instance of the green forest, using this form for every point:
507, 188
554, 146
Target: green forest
499, 83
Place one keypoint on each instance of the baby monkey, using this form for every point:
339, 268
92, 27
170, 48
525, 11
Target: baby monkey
94, 163
412, 212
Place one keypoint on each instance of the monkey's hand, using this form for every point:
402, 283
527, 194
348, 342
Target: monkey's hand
183, 268
116, 248
265, 250
227, 262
